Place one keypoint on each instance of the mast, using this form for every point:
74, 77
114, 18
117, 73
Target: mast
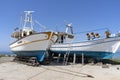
69, 26
28, 22
27, 26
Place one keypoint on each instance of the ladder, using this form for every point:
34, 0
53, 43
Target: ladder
66, 57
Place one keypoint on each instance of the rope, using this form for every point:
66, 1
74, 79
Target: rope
92, 30
73, 72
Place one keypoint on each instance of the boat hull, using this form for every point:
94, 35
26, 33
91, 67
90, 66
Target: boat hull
93, 54
29, 53
102, 49
34, 45
40, 55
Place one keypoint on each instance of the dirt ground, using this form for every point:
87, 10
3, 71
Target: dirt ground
16, 71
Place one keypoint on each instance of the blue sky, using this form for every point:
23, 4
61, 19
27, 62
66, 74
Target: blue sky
84, 14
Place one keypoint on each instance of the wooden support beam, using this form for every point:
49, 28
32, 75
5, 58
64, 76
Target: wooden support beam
58, 57
82, 58
74, 58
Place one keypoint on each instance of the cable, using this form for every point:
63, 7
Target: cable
92, 30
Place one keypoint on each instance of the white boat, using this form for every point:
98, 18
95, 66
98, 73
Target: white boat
99, 49
29, 43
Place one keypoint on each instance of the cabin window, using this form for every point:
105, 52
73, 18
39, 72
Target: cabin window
70, 36
62, 39
30, 32
24, 34
19, 42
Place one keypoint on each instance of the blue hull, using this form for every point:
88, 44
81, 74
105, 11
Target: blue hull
40, 55
97, 55
116, 56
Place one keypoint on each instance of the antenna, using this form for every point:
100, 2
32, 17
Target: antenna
56, 26
21, 20
29, 12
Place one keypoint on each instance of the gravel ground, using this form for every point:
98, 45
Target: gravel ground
6, 59
17, 71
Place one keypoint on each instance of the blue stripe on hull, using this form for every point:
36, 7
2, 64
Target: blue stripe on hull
28, 53
39, 54
98, 55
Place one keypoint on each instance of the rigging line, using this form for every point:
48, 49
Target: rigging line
92, 30
74, 74
42, 26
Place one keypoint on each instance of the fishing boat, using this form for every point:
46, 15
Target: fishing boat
29, 43
96, 49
